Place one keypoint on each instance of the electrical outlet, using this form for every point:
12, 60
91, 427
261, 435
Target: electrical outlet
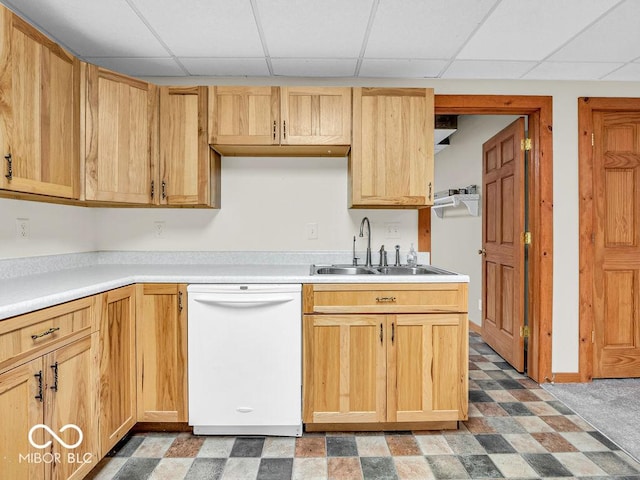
392, 230
158, 229
23, 232
312, 231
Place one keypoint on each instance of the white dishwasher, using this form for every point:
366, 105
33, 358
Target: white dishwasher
245, 359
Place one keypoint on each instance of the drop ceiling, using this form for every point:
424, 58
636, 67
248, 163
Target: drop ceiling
408, 39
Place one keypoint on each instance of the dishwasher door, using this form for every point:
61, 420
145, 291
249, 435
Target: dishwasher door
245, 359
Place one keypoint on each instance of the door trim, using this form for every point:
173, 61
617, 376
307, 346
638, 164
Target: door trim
586, 107
539, 110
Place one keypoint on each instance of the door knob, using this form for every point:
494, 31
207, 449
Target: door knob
482, 252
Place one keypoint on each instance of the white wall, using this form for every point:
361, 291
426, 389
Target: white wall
456, 238
53, 229
266, 205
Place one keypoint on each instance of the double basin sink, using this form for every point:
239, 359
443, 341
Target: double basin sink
389, 270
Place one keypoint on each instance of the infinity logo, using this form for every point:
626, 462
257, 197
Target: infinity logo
53, 434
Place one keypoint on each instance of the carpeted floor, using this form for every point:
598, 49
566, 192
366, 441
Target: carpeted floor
611, 405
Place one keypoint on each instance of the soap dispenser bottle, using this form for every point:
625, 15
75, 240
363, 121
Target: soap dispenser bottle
412, 257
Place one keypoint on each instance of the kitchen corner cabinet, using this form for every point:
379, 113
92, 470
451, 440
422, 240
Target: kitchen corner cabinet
39, 112
117, 359
385, 356
161, 344
391, 159
48, 376
189, 170
120, 124
280, 120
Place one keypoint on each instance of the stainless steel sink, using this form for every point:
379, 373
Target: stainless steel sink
390, 270
341, 270
412, 270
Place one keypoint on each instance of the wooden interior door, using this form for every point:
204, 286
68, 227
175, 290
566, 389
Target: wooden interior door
503, 248
616, 292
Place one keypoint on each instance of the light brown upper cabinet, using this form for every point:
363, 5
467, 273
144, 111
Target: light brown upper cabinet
280, 120
120, 137
39, 112
189, 170
391, 161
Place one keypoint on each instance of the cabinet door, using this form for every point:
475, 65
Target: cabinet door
244, 116
344, 376
72, 391
19, 411
427, 359
315, 116
184, 151
117, 366
119, 137
391, 161
161, 342
39, 112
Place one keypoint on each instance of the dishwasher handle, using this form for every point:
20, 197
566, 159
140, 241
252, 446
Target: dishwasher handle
235, 301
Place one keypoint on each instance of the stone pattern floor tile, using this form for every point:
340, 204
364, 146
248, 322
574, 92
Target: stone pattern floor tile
515, 430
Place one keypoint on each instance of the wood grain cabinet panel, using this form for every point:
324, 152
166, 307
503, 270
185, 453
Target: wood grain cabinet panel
294, 121
388, 370
161, 346
391, 160
189, 171
39, 112
120, 137
117, 360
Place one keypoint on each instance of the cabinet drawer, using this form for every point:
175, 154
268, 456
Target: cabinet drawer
386, 298
27, 336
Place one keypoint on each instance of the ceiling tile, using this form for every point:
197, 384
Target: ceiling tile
526, 30
401, 68
424, 29
629, 72
487, 69
570, 71
140, 67
94, 29
315, 67
313, 29
228, 67
615, 38
204, 28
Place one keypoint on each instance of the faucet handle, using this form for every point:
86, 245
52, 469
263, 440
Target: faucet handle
383, 256
397, 264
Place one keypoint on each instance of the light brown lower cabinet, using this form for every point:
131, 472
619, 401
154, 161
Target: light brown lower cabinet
384, 369
117, 366
161, 342
53, 384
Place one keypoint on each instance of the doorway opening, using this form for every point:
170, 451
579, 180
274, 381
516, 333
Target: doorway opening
539, 170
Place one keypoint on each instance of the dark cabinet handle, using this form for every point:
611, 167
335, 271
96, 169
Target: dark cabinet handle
284, 129
9, 159
393, 332
39, 377
153, 189
274, 129
180, 301
54, 367
429, 190
164, 190
45, 333
381, 334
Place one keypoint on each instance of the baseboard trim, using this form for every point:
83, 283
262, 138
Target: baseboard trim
563, 377
161, 427
475, 328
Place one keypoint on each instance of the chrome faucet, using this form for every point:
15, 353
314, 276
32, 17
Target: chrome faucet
368, 260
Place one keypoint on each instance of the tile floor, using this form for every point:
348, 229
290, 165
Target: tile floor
515, 430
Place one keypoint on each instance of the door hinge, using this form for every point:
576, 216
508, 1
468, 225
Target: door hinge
526, 238
525, 144
593, 139
524, 331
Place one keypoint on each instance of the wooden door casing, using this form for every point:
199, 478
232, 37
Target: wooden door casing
616, 281
503, 257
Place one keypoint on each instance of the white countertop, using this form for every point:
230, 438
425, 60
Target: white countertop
27, 293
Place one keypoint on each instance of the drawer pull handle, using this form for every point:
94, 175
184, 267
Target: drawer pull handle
385, 299
44, 334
